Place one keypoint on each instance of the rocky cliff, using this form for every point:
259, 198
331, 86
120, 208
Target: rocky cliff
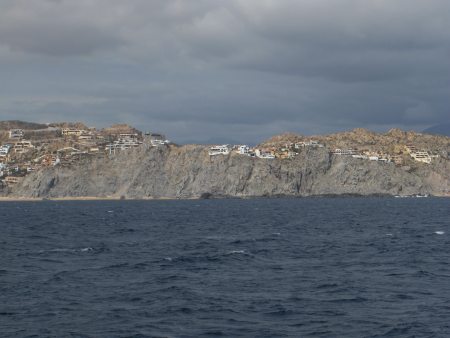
189, 172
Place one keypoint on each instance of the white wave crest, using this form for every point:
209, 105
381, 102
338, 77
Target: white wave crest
232, 252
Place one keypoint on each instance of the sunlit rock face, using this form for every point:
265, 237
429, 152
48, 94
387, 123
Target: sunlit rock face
189, 172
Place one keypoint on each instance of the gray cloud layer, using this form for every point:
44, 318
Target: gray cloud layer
230, 69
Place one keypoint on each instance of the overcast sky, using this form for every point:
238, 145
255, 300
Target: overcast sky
213, 70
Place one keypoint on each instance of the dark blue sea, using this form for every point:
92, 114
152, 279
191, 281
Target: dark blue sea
325, 267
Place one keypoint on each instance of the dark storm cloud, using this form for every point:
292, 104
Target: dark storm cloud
235, 69
44, 38
46, 27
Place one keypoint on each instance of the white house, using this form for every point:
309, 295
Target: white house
219, 150
244, 150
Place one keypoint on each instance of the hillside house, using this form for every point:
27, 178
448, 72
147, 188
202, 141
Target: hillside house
123, 143
21, 147
285, 154
156, 139
86, 137
345, 152
219, 150
16, 134
421, 156
243, 150
410, 148
4, 150
73, 132
264, 153
310, 143
128, 136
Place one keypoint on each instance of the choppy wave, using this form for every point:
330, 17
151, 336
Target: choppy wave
231, 268
87, 249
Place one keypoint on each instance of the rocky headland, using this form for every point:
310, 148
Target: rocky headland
188, 171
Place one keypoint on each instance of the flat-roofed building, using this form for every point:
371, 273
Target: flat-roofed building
73, 132
345, 152
156, 139
22, 146
421, 156
86, 137
16, 133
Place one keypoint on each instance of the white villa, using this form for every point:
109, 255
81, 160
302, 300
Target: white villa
421, 156
123, 143
156, 139
4, 150
243, 150
346, 152
310, 143
219, 150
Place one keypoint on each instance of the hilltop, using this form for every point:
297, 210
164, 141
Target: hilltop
16, 124
361, 138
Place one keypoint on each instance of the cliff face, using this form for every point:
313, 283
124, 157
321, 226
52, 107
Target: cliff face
189, 172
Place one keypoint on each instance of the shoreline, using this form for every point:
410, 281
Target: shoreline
115, 198
80, 198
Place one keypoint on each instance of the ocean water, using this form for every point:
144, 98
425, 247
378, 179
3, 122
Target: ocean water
338, 267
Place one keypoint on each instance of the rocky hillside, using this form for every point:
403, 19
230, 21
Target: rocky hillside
393, 141
15, 124
5, 126
189, 172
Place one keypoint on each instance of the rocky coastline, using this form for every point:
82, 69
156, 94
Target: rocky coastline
174, 172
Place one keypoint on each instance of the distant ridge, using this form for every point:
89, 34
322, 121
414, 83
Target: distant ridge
16, 124
440, 129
